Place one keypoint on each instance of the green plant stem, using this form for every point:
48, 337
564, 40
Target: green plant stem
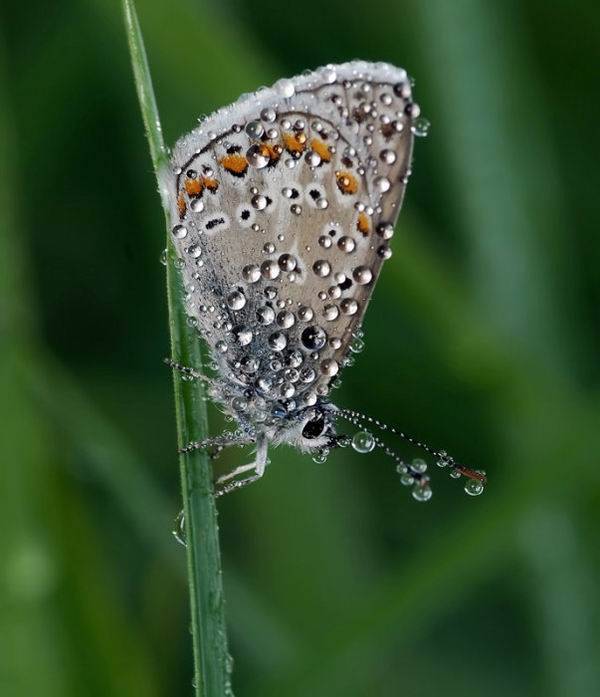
211, 658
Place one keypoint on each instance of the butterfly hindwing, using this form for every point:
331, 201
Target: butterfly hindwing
283, 206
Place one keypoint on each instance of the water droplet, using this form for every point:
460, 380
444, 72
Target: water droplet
265, 315
278, 341
322, 268
388, 156
305, 314
386, 230
179, 529
331, 312
269, 269
384, 251
443, 459
307, 375
254, 129
357, 345
229, 663
421, 491
329, 75
419, 465
249, 364
363, 442
329, 367
236, 300
286, 319
269, 114
287, 262
239, 404
412, 110
421, 127
349, 306
256, 158
243, 335
313, 338
321, 456
251, 273
383, 184
313, 159
294, 359
259, 202
180, 232
474, 487
286, 88
287, 390
362, 275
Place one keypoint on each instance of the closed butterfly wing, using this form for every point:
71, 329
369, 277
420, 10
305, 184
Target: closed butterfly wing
283, 205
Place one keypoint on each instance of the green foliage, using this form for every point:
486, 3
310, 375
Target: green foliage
483, 338
211, 658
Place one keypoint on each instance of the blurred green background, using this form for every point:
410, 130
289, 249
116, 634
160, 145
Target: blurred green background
486, 320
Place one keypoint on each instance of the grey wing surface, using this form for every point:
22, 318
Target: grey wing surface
283, 205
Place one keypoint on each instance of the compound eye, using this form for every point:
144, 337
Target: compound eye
314, 428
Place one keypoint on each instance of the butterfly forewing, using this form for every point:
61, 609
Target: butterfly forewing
283, 206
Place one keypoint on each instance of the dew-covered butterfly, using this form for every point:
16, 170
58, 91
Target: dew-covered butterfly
283, 206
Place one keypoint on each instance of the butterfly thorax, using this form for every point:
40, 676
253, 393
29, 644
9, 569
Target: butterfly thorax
281, 421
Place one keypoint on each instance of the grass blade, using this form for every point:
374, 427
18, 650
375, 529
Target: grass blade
211, 658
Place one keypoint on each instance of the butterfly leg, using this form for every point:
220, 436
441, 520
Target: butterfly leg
220, 442
186, 371
236, 472
237, 484
259, 465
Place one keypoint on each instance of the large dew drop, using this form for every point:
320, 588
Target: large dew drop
363, 442
421, 492
474, 487
421, 127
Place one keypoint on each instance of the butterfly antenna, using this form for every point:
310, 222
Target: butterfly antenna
402, 467
441, 456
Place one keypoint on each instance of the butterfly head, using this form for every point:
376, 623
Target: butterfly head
306, 428
309, 429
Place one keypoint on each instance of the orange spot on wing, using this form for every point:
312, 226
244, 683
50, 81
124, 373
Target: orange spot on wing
193, 187
363, 224
346, 182
294, 142
321, 149
181, 207
211, 184
235, 164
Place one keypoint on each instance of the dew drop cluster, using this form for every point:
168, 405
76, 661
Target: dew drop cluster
284, 207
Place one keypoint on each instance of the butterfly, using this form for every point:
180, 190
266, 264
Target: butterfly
283, 206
